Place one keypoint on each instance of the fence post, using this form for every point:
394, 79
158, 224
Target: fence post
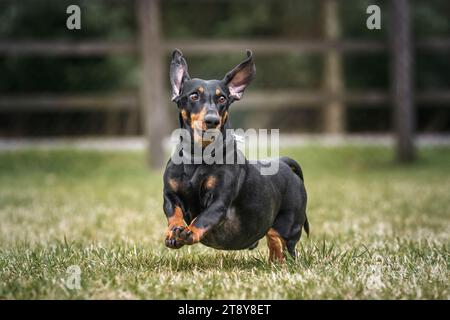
152, 93
334, 110
401, 78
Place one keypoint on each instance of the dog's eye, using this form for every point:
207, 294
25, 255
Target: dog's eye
222, 99
194, 96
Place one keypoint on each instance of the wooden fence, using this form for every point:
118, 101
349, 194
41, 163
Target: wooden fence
152, 47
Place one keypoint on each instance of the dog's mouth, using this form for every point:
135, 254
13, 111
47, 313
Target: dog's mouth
208, 135
202, 135
200, 128
205, 137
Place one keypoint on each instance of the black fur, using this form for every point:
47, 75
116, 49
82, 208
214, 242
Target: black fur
243, 204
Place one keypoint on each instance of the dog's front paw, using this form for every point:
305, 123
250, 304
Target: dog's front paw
173, 239
191, 235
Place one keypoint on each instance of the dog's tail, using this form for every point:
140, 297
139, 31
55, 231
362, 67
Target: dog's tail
294, 166
306, 225
298, 171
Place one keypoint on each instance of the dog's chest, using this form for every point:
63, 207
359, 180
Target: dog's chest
193, 193
225, 234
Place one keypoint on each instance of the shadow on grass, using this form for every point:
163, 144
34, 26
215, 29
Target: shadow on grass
59, 255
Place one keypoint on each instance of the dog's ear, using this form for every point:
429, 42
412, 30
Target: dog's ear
178, 73
240, 77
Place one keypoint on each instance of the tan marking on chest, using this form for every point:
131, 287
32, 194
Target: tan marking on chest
174, 185
210, 182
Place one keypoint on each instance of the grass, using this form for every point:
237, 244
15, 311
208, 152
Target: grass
379, 231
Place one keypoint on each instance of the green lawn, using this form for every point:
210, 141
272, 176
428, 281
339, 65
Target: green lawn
378, 230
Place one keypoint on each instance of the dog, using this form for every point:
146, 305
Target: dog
228, 206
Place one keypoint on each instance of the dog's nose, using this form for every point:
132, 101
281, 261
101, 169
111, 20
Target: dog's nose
212, 121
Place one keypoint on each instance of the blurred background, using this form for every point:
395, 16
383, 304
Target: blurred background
319, 69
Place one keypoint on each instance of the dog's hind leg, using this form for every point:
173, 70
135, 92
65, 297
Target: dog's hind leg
288, 227
276, 244
253, 246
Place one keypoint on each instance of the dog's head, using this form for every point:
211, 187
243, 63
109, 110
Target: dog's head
203, 104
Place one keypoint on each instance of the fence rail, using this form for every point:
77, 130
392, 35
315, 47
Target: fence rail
260, 100
207, 46
51, 102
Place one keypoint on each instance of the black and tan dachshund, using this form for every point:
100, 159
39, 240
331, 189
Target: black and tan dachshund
228, 206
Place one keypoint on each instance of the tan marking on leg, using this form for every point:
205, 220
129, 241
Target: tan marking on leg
210, 182
276, 245
175, 220
197, 233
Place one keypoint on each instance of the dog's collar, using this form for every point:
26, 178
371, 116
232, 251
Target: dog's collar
224, 145
239, 139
